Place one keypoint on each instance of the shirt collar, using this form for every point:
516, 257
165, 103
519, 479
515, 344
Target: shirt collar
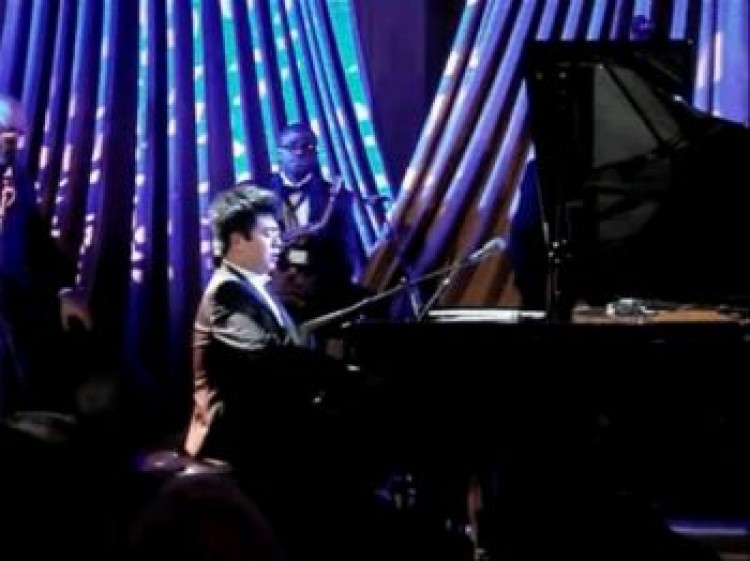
295, 184
258, 280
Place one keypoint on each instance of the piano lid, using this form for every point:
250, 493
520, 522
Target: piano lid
647, 195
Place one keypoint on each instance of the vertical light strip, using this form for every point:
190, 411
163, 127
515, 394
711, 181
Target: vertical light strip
62, 198
291, 110
548, 20
480, 129
338, 125
705, 54
440, 109
143, 195
495, 18
201, 131
502, 92
332, 103
510, 61
678, 28
506, 157
596, 22
240, 148
94, 194
619, 8
181, 179
571, 21
31, 84
494, 21
306, 74
262, 73
12, 32
343, 28
731, 61
173, 148
49, 143
718, 43
343, 98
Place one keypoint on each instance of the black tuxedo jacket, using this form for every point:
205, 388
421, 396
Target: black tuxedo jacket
239, 350
332, 252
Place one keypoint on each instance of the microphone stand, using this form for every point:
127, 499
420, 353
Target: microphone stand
307, 327
406, 282
443, 286
472, 258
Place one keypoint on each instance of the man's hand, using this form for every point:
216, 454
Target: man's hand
74, 306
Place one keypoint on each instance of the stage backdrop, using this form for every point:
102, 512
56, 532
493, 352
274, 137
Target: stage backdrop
141, 110
471, 177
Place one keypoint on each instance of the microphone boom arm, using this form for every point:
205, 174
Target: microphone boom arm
473, 258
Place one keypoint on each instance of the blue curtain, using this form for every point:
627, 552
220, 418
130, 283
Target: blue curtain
142, 110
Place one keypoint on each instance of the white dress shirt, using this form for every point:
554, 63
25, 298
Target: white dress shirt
260, 283
300, 201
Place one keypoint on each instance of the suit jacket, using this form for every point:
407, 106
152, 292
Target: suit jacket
238, 348
33, 269
332, 252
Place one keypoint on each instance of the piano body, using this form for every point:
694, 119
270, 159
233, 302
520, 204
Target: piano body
642, 195
649, 202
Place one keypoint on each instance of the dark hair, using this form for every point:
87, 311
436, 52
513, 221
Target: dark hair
237, 209
203, 517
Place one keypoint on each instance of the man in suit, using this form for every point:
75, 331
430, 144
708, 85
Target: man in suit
37, 304
263, 401
241, 330
315, 270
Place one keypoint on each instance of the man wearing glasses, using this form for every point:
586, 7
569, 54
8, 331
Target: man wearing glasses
315, 271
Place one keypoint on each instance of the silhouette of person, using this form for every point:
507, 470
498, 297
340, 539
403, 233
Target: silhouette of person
36, 304
203, 517
264, 401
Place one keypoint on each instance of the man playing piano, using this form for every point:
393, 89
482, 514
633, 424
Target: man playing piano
263, 401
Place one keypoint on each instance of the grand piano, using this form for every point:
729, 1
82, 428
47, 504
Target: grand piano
630, 382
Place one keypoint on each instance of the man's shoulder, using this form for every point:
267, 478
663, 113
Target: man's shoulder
223, 279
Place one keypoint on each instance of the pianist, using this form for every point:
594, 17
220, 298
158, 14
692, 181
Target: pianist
262, 400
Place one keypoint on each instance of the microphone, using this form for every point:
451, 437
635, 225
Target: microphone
495, 244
